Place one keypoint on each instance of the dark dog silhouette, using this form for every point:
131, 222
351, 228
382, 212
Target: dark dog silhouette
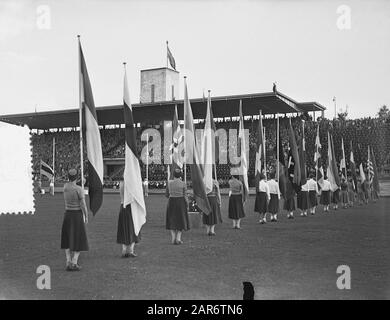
249, 291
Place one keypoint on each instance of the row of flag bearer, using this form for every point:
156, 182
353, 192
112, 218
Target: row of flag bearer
287, 181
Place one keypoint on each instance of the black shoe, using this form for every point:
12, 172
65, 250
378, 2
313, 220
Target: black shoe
75, 267
132, 255
68, 267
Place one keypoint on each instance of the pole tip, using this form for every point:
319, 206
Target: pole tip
209, 90
185, 77
124, 63
78, 36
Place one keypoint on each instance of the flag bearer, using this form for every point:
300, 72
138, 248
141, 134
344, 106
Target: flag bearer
344, 193
336, 198
289, 201
236, 205
303, 199
351, 192
313, 192
360, 191
73, 234
325, 194
214, 217
262, 198
125, 232
273, 205
177, 209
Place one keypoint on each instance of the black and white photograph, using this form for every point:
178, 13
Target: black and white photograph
212, 152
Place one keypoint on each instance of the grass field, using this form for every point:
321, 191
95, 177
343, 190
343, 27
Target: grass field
290, 259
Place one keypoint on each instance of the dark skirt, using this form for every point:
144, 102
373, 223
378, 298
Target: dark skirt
325, 197
177, 214
313, 198
215, 215
261, 202
236, 207
273, 205
289, 204
125, 232
351, 196
344, 196
303, 200
73, 233
336, 196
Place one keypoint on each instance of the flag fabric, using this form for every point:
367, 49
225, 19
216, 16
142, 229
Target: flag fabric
133, 190
177, 143
208, 148
46, 170
332, 171
375, 182
243, 163
302, 155
362, 174
294, 167
282, 170
191, 151
352, 166
171, 58
343, 165
260, 145
317, 159
93, 141
370, 167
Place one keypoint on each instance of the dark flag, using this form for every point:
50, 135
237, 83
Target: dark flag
294, 167
302, 155
352, 166
94, 146
177, 140
260, 147
171, 58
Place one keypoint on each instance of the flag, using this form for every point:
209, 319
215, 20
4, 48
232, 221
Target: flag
370, 167
332, 171
302, 155
46, 170
243, 163
317, 159
208, 148
352, 166
260, 146
133, 191
175, 147
93, 142
361, 172
282, 170
343, 166
294, 167
191, 151
375, 181
171, 58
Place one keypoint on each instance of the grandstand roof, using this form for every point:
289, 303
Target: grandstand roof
224, 106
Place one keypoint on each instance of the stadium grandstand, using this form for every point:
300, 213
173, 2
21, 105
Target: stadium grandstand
157, 104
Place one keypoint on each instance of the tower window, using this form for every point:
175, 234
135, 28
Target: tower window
152, 93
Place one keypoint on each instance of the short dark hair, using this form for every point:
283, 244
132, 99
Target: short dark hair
262, 176
272, 175
72, 174
177, 173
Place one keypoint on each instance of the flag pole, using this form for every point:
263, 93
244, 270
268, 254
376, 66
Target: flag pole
167, 54
184, 135
81, 120
318, 135
277, 146
54, 156
147, 157
265, 157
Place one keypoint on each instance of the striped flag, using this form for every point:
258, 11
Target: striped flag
352, 165
260, 146
317, 159
294, 167
92, 134
171, 58
375, 181
370, 167
343, 165
332, 171
177, 144
208, 147
302, 155
46, 170
244, 162
191, 150
133, 191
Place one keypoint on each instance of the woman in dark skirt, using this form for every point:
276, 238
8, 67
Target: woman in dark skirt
214, 217
336, 198
262, 198
344, 193
73, 233
177, 213
351, 192
313, 192
273, 204
125, 232
325, 194
236, 206
303, 199
289, 201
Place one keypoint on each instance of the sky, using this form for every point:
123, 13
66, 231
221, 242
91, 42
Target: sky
229, 47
